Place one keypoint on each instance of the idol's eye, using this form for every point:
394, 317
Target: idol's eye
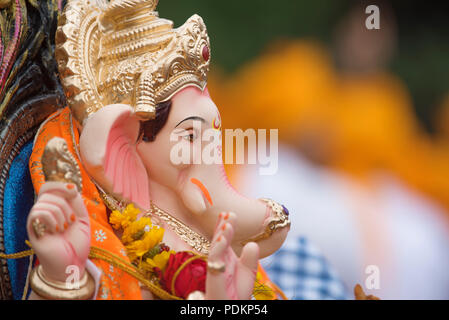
190, 137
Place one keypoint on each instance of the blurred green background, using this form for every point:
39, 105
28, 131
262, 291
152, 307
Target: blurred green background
241, 30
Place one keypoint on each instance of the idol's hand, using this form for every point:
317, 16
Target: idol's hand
228, 276
59, 230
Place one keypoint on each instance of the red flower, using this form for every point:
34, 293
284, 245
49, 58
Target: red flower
190, 278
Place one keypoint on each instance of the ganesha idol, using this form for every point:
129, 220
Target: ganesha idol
114, 216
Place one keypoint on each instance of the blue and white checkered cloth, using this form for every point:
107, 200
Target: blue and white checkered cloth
303, 273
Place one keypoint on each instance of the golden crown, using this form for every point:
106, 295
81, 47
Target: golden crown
122, 52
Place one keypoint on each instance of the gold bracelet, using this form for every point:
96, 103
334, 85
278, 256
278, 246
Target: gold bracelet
59, 290
216, 267
279, 219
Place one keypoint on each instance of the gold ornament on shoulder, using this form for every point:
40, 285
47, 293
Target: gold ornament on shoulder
59, 164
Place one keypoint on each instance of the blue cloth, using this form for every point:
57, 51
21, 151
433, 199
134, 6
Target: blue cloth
302, 272
18, 200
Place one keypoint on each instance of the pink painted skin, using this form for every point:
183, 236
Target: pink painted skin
115, 161
138, 171
60, 208
122, 161
240, 274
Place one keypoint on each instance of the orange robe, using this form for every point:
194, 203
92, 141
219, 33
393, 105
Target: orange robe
115, 284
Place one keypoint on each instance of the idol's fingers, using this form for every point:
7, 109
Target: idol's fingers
56, 213
247, 270
66, 190
216, 278
41, 222
60, 205
70, 194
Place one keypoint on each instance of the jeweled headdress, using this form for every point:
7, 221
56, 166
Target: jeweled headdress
122, 52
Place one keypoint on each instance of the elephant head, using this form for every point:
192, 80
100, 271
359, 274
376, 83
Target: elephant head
132, 159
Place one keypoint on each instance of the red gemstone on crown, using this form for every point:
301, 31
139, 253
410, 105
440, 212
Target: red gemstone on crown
206, 53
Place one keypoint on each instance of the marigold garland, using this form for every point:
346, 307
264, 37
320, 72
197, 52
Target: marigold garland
146, 251
142, 240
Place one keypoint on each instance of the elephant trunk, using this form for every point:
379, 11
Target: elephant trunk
208, 192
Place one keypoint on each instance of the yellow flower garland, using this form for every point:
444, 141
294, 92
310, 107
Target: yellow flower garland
143, 243
142, 239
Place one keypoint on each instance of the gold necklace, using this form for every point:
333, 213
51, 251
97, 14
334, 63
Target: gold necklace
200, 243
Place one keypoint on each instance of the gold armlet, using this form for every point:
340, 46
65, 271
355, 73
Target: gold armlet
279, 219
58, 290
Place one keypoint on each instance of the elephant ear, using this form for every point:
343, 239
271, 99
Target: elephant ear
108, 151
